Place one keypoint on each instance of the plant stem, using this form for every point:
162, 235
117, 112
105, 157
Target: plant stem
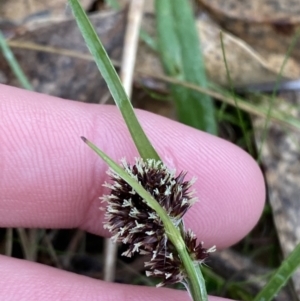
141, 141
13, 63
280, 277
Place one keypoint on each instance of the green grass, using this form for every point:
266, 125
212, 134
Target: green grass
178, 45
13, 63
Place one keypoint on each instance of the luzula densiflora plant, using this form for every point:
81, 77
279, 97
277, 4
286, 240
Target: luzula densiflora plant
147, 201
132, 222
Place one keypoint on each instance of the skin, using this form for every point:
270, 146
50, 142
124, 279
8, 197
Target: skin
50, 179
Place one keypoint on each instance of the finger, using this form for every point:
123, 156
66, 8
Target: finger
23, 280
50, 178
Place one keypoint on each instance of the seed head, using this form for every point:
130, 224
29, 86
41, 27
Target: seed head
166, 263
130, 219
132, 222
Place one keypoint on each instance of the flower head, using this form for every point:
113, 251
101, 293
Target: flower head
166, 263
134, 223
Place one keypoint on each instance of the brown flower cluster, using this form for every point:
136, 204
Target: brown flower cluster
134, 223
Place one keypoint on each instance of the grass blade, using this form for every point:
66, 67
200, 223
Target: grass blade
280, 277
261, 110
181, 56
114, 4
14, 65
113, 82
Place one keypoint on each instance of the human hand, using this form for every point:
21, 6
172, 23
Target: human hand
51, 179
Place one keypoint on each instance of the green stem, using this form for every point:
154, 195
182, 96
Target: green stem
196, 282
13, 63
195, 279
280, 277
141, 141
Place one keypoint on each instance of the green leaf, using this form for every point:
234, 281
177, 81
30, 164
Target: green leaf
114, 4
13, 63
280, 277
276, 116
180, 52
148, 40
114, 84
195, 278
